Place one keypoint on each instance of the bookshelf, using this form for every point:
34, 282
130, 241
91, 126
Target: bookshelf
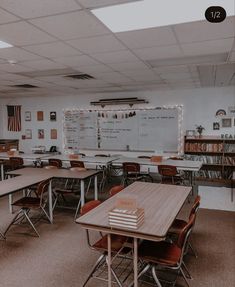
217, 154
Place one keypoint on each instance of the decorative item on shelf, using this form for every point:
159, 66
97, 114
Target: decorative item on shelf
199, 129
126, 214
190, 133
220, 112
216, 126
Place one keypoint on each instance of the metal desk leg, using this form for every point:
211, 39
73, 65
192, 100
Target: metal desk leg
109, 261
50, 202
2, 172
96, 187
82, 192
10, 203
135, 262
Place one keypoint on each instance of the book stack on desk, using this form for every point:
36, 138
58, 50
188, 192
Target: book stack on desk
131, 219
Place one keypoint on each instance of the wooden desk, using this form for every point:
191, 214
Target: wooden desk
161, 203
59, 173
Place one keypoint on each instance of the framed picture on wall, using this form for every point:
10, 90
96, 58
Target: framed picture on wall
216, 126
52, 116
53, 134
40, 134
40, 115
28, 134
27, 116
226, 123
190, 133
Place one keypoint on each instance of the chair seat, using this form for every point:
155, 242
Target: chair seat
177, 226
117, 242
64, 191
28, 202
163, 253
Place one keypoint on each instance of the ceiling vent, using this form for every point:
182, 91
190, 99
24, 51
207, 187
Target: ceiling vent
25, 86
80, 77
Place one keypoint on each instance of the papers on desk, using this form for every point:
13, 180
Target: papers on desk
126, 218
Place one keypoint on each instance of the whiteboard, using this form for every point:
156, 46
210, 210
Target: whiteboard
135, 130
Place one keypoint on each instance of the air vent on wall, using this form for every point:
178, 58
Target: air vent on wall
25, 86
80, 77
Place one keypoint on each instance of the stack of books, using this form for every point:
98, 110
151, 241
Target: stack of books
127, 218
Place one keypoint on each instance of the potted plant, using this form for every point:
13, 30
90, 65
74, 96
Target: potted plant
200, 129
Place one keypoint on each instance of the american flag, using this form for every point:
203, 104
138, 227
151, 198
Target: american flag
14, 118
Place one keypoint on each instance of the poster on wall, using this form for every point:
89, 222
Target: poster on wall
40, 134
53, 134
28, 134
27, 116
52, 116
40, 115
226, 123
231, 111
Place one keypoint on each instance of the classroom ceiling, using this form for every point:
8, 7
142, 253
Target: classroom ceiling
56, 38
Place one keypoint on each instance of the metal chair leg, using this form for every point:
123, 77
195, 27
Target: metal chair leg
155, 277
187, 271
184, 276
15, 218
100, 259
193, 251
30, 222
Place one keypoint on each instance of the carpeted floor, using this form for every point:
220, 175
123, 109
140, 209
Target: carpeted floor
61, 258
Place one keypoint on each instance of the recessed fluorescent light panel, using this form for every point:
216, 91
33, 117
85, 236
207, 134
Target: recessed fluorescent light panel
156, 13
4, 45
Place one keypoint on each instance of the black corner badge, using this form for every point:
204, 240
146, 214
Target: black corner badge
215, 14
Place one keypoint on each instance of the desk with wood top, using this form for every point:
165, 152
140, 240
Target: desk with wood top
55, 173
161, 203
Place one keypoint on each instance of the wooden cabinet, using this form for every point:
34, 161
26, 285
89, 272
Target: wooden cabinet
6, 145
217, 154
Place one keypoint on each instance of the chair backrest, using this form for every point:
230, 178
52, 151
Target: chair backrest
102, 155
89, 206
195, 206
131, 167
185, 232
55, 162
115, 189
167, 170
16, 162
76, 168
144, 156
176, 158
42, 188
76, 163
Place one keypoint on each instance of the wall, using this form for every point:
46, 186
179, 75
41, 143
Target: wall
200, 106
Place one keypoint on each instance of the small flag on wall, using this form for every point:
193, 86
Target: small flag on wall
14, 118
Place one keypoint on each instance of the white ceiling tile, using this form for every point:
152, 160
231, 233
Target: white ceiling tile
53, 50
95, 69
208, 47
43, 64
172, 69
22, 33
17, 54
12, 77
37, 8
102, 3
224, 74
114, 77
77, 61
159, 52
204, 30
175, 76
125, 66
232, 57
106, 43
71, 25
6, 17
14, 68
162, 36
115, 57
